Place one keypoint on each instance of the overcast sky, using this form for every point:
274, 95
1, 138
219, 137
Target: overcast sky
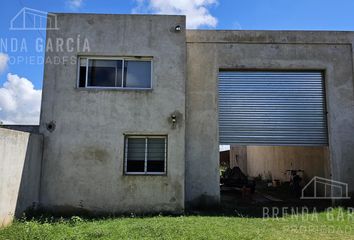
21, 72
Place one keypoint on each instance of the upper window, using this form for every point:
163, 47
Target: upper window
145, 154
114, 73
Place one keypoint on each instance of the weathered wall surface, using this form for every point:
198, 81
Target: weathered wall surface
20, 171
202, 151
83, 156
271, 162
209, 51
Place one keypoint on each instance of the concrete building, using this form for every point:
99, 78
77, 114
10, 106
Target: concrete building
131, 122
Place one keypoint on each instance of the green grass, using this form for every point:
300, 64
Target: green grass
334, 225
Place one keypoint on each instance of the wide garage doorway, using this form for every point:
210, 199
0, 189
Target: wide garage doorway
273, 131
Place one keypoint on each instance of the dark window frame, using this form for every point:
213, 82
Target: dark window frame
145, 173
123, 59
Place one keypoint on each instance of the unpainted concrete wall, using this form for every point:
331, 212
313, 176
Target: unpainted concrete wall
20, 171
210, 51
83, 156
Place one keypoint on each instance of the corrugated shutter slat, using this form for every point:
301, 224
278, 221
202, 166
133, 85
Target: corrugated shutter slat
272, 108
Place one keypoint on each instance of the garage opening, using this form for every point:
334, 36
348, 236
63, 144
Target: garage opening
272, 134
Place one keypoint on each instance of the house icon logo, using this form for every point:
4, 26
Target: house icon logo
323, 188
32, 19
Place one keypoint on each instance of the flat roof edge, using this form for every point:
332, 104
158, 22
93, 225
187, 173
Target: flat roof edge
117, 14
269, 36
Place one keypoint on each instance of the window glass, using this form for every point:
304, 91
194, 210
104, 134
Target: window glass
156, 155
146, 154
104, 73
136, 155
101, 72
137, 74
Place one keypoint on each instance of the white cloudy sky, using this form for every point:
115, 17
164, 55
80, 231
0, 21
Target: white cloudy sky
19, 101
196, 11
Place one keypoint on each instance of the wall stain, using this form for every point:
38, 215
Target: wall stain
92, 153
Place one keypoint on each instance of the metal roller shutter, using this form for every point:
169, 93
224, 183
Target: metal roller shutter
272, 108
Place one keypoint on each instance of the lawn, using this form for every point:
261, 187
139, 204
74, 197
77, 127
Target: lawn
336, 224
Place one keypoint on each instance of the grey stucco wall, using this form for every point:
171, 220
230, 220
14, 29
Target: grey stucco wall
20, 171
83, 156
209, 51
